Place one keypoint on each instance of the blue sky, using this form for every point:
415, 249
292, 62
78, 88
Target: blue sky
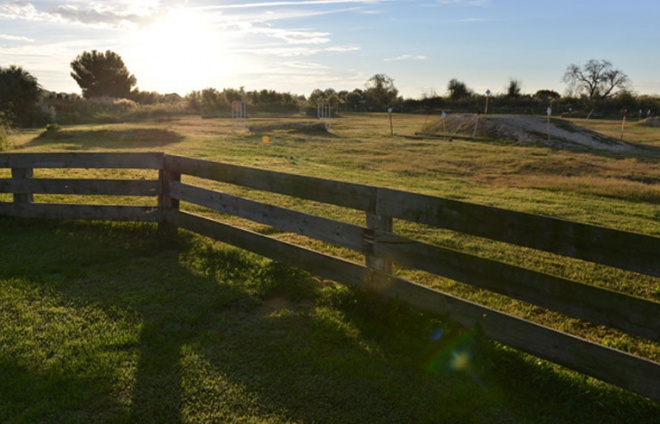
297, 46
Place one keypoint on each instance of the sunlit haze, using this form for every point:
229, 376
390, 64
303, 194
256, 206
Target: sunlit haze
298, 46
180, 51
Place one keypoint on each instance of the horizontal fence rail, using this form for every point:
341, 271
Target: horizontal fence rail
378, 242
24, 186
633, 252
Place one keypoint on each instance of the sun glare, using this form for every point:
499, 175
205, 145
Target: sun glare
180, 52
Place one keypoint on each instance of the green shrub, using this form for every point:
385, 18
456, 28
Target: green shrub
159, 111
76, 110
54, 127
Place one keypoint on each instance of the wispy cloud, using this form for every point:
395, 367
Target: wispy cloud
271, 4
21, 10
431, 3
286, 52
109, 14
94, 15
294, 36
305, 65
301, 51
8, 37
342, 49
405, 57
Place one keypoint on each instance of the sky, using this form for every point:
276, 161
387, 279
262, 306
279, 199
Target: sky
296, 46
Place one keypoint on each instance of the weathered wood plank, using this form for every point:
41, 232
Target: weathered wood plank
139, 160
633, 252
82, 212
627, 371
601, 306
349, 195
324, 229
81, 186
314, 262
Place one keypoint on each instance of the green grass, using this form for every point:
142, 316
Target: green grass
119, 323
4, 138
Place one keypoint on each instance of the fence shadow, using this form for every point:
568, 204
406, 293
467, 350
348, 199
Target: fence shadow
219, 335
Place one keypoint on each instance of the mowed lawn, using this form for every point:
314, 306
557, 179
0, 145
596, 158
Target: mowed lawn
109, 322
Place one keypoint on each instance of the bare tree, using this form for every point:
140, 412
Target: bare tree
597, 78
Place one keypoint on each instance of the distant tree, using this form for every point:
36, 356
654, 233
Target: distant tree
597, 79
458, 90
21, 98
316, 96
546, 94
381, 92
355, 100
213, 101
272, 101
102, 74
232, 94
514, 89
153, 97
329, 95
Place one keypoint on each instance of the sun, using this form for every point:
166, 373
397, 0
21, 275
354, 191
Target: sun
180, 52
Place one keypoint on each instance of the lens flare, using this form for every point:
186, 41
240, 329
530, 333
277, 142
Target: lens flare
460, 361
455, 353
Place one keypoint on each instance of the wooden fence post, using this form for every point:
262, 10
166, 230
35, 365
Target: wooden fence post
377, 223
20, 174
166, 202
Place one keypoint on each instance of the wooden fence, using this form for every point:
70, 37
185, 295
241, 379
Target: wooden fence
381, 247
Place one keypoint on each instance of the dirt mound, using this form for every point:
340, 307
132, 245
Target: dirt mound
650, 122
529, 129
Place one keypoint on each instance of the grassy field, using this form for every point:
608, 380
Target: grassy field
118, 323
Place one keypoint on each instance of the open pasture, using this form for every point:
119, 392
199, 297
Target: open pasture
609, 190
615, 190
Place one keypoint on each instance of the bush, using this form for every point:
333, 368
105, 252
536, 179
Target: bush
75, 110
21, 99
72, 110
54, 127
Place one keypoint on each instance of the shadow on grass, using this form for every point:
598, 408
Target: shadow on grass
109, 139
134, 325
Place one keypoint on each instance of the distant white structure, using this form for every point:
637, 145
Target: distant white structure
324, 113
238, 116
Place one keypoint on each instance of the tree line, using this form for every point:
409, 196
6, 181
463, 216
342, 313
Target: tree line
109, 93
